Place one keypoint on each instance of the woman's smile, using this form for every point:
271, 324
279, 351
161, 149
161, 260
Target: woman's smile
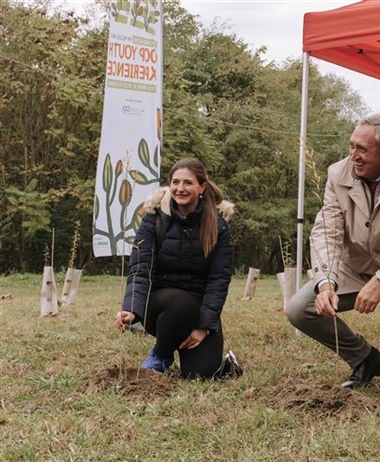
185, 190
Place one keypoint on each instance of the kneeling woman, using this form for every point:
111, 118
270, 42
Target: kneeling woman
180, 270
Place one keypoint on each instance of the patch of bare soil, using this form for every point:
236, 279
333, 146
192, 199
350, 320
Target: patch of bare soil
132, 381
298, 395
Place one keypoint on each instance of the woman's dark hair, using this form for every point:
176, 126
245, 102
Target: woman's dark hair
212, 197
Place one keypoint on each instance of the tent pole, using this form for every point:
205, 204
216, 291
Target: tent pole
301, 168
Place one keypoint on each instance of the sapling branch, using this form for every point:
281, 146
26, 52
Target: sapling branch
316, 180
74, 245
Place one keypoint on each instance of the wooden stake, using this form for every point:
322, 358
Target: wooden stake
250, 286
287, 281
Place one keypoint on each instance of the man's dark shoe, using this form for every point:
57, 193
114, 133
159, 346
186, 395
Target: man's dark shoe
365, 372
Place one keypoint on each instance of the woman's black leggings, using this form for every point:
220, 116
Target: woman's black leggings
172, 314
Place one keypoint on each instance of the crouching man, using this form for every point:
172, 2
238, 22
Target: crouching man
345, 256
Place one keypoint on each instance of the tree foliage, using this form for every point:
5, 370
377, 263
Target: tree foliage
52, 89
222, 104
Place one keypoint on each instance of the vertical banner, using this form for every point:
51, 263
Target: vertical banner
130, 148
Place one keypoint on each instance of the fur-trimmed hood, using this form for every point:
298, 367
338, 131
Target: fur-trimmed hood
160, 198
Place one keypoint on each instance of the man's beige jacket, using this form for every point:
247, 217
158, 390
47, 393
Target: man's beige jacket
345, 239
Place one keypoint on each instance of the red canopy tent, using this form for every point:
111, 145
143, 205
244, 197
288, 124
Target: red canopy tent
349, 37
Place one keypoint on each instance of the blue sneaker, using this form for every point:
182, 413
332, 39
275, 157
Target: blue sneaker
156, 363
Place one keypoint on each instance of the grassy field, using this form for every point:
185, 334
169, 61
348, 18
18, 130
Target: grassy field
66, 395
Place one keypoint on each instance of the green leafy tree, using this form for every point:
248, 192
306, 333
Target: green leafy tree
186, 131
52, 83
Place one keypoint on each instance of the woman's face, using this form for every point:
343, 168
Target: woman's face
185, 190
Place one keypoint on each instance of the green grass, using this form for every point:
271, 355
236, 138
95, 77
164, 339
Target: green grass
286, 407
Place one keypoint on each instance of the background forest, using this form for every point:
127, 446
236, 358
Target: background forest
223, 103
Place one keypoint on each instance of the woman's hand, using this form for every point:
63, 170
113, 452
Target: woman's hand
194, 339
123, 318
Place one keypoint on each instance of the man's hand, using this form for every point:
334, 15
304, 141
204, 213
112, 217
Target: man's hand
326, 302
194, 339
369, 297
123, 318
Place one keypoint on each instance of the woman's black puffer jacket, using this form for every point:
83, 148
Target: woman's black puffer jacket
179, 262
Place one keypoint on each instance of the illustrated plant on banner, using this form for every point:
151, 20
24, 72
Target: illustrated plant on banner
130, 148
